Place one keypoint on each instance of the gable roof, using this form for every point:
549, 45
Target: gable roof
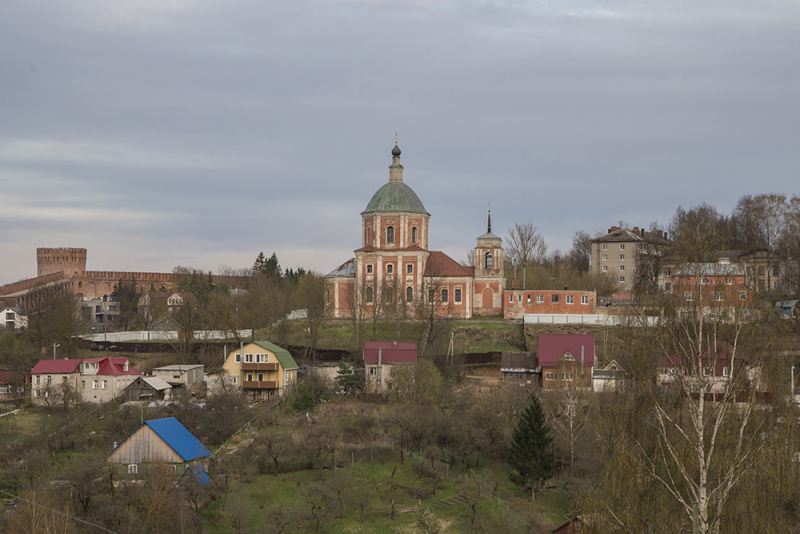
553, 346
108, 366
178, 438
391, 352
55, 366
440, 264
285, 359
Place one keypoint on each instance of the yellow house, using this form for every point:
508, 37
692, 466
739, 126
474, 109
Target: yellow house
261, 369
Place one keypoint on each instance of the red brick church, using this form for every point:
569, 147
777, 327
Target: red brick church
395, 272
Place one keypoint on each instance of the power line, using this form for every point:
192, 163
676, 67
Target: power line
57, 512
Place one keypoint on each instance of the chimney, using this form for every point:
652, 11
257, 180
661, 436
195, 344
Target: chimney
636, 230
642, 231
665, 236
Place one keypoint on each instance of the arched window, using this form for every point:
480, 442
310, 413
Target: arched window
370, 295
414, 235
390, 234
488, 261
409, 294
445, 296
389, 268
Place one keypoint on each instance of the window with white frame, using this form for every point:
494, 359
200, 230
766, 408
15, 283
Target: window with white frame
238, 357
389, 268
94, 384
621, 278
409, 294
605, 268
510, 299
133, 469
369, 268
742, 295
445, 296
718, 296
688, 296
706, 371
726, 371
621, 267
622, 246
554, 298
390, 234
519, 299
566, 376
457, 295
549, 376
49, 380
539, 299
528, 301
605, 247
705, 281
410, 268
248, 358
584, 299
570, 299
622, 256
605, 257
431, 295
105, 384
728, 281
370, 294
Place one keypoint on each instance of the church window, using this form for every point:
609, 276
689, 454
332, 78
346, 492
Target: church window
457, 295
445, 296
390, 234
327, 296
389, 268
409, 294
370, 294
369, 268
431, 295
389, 295
414, 235
410, 268
488, 261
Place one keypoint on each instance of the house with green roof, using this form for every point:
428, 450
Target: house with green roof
261, 370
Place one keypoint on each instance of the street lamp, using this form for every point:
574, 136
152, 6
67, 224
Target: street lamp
54, 350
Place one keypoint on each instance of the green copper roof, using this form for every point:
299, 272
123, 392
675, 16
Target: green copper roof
395, 197
285, 359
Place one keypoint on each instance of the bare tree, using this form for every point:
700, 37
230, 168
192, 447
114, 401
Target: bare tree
525, 246
763, 220
310, 295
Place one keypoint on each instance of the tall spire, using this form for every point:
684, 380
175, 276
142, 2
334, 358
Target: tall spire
489, 230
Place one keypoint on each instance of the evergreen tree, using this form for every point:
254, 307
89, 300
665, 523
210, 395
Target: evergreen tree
270, 266
532, 458
347, 379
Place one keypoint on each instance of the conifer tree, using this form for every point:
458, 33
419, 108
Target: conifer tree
532, 458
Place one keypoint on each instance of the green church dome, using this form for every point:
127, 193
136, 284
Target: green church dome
395, 197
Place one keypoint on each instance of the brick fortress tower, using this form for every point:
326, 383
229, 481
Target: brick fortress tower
72, 261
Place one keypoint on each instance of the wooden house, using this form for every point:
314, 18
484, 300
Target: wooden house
520, 368
166, 441
566, 360
149, 388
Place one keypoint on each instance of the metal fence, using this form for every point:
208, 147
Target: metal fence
169, 335
593, 319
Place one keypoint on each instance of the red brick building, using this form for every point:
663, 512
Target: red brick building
557, 301
394, 272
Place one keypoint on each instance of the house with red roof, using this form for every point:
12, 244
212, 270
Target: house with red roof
381, 358
93, 380
566, 360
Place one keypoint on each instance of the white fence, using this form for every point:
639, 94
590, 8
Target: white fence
600, 320
146, 335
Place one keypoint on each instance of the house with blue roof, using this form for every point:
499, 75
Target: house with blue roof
166, 441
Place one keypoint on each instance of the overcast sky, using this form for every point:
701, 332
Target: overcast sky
158, 133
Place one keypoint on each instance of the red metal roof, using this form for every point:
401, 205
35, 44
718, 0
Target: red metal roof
553, 346
108, 366
440, 264
391, 352
55, 366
